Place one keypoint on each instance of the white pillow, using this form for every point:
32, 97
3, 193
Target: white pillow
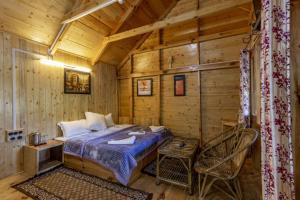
109, 121
73, 128
95, 121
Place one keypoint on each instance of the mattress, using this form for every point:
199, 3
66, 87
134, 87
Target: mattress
105, 132
120, 159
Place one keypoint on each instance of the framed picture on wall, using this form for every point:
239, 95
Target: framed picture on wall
77, 82
144, 87
179, 85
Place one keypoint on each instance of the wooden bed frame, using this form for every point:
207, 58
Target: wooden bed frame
92, 168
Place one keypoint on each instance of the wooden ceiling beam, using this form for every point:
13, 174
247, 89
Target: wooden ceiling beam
201, 38
87, 9
59, 38
146, 36
205, 38
80, 10
201, 12
129, 12
62, 32
136, 46
186, 69
224, 23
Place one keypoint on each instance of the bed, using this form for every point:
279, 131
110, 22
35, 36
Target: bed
91, 153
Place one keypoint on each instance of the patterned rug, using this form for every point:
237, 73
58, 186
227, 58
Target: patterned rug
64, 184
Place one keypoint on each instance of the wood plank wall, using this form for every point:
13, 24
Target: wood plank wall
181, 114
41, 102
211, 66
211, 96
219, 99
217, 90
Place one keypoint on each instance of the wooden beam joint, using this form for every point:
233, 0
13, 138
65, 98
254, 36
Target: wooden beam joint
191, 15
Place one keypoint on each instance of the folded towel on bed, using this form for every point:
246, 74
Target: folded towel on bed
137, 133
156, 128
129, 140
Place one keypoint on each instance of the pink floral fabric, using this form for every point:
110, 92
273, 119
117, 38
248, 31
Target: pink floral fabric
277, 154
244, 115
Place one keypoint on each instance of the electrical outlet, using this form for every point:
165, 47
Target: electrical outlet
14, 135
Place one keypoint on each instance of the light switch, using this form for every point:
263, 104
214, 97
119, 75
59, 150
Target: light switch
14, 135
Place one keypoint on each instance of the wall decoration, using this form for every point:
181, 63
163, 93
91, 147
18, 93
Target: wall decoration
179, 85
144, 87
77, 82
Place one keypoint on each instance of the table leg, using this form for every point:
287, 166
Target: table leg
157, 170
190, 181
199, 185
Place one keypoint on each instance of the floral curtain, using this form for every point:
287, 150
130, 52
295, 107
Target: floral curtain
244, 115
277, 154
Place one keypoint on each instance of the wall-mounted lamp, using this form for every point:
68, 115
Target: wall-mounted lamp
54, 63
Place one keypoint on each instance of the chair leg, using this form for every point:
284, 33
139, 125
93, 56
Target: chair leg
199, 184
205, 187
202, 187
231, 192
234, 188
208, 186
237, 188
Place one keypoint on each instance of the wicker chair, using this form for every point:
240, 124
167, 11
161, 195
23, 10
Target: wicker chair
221, 160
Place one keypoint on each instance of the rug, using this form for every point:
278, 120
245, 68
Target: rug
63, 184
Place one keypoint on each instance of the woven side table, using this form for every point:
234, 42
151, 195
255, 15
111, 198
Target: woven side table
175, 162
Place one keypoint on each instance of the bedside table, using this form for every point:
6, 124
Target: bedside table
175, 163
42, 158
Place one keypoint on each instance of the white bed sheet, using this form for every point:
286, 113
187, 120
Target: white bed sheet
110, 130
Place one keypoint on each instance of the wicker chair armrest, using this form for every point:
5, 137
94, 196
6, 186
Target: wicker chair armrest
219, 139
231, 156
223, 162
216, 142
239, 126
208, 143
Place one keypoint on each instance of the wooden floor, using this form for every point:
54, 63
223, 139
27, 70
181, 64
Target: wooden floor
146, 183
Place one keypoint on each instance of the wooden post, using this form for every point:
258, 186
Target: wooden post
131, 90
199, 77
131, 104
131, 63
160, 41
200, 116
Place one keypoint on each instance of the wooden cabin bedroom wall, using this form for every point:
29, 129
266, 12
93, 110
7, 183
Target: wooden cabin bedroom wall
212, 95
41, 101
210, 64
216, 86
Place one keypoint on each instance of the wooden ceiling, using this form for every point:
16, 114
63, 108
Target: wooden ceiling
38, 20
91, 36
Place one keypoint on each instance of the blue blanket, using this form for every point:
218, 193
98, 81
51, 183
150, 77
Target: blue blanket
120, 159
